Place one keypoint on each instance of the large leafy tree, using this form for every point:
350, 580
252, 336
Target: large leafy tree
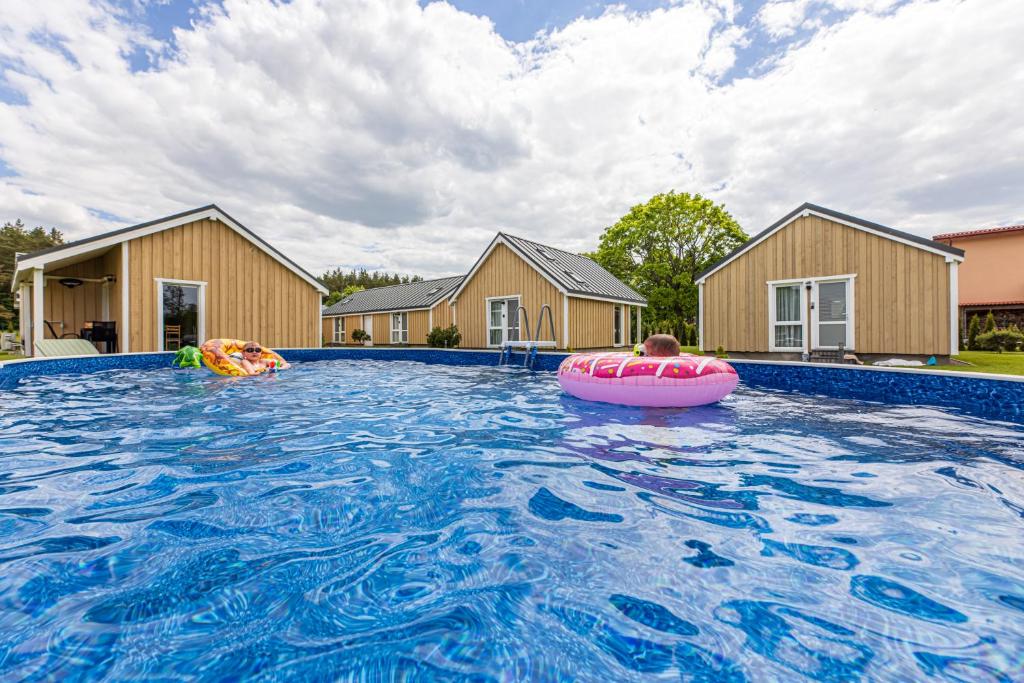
659, 247
16, 238
341, 283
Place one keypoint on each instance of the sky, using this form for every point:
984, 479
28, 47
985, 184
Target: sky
400, 135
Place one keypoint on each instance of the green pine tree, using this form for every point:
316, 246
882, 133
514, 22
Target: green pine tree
973, 330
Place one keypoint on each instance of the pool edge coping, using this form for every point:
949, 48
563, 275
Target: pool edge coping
992, 376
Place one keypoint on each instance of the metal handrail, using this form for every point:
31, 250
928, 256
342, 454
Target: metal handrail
526, 316
551, 322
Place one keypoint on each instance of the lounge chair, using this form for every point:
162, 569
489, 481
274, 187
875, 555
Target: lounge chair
65, 347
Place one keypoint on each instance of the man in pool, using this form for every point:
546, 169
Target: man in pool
661, 346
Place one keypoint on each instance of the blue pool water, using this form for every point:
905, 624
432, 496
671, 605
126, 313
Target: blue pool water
390, 520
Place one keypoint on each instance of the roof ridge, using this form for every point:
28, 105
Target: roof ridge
546, 246
978, 231
406, 284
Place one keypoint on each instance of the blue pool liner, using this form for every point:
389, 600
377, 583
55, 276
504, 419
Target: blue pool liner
999, 397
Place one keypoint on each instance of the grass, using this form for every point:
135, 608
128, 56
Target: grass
9, 356
1008, 363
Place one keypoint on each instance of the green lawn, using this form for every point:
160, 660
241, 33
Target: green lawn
1009, 363
9, 356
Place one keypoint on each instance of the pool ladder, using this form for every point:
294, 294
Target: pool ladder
530, 345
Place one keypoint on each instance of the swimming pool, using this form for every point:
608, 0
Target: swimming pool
377, 518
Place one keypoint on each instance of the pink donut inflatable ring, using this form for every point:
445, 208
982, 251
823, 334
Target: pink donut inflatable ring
660, 382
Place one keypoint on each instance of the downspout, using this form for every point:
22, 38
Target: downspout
954, 306
565, 321
700, 315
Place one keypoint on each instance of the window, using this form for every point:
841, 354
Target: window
786, 305
339, 330
576, 277
617, 325
399, 328
546, 254
181, 313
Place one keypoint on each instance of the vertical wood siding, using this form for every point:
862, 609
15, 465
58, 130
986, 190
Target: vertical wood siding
442, 314
505, 274
75, 306
901, 293
591, 323
249, 295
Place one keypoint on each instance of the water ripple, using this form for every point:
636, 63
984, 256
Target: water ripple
397, 521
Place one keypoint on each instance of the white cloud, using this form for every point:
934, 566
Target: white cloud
394, 136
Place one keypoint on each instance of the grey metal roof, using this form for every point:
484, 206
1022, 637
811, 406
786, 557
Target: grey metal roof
575, 273
423, 294
807, 206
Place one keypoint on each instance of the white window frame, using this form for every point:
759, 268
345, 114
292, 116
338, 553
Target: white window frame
810, 324
816, 323
160, 282
402, 332
505, 318
773, 322
339, 330
618, 309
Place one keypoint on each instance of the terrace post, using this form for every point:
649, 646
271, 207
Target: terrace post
38, 313
25, 317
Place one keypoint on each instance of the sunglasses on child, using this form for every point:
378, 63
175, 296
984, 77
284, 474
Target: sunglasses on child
252, 349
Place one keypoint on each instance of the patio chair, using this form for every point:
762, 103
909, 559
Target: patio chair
172, 335
64, 347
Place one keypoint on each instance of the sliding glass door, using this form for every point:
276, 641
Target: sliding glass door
181, 310
502, 320
831, 314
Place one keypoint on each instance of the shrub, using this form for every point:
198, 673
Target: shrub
444, 337
1000, 340
720, 352
990, 322
973, 330
360, 335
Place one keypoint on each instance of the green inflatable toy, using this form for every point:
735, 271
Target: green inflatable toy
188, 357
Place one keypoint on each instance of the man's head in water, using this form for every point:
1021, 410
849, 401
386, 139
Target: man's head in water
661, 345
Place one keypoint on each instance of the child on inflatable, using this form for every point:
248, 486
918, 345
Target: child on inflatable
658, 346
661, 346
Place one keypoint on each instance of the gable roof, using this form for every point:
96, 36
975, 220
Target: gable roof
571, 273
40, 258
808, 209
983, 231
410, 296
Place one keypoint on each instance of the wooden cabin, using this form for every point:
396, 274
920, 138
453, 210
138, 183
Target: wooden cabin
500, 300
992, 275
166, 283
393, 315
819, 282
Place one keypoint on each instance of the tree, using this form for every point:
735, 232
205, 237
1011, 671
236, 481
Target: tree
973, 330
659, 247
337, 280
337, 296
990, 323
14, 239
